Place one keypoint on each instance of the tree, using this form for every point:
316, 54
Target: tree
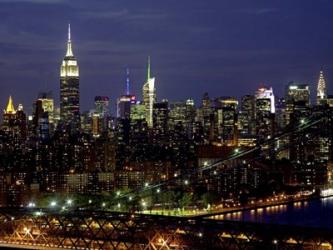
185, 200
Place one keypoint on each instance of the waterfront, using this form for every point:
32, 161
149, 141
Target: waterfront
312, 213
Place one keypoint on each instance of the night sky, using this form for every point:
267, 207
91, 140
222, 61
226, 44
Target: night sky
219, 46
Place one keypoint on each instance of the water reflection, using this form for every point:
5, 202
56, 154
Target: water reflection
315, 213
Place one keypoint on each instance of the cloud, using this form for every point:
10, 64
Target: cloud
124, 15
34, 1
259, 11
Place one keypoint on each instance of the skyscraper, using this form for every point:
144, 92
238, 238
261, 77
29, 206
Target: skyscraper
9, 116
125, 102
246, 116
225, 120
69, 88
160, 121
14, 121
321, 89
298, 94
265, 113
149, 96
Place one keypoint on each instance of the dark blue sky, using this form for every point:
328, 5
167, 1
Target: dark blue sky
223, 47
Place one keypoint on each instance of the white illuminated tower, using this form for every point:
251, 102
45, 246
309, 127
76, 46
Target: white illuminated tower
149, 96
69, 88
321, 89
267, 93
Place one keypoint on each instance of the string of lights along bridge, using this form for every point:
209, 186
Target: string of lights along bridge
161, 174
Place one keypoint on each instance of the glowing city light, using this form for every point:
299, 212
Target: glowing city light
31, 204
53, 204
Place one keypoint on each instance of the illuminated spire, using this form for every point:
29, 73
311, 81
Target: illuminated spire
127, 82
69, 43
321, 88
10, 106
148, 69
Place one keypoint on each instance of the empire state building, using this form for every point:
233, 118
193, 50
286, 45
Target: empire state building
69, 88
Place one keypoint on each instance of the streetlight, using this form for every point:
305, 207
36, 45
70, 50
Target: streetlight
53, 204
31, 204
69, 202
38, 213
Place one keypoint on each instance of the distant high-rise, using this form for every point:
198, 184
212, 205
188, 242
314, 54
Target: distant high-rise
69, 88
43, 118
10, 110
264, 93
225, 121
14, 121
126, 101
149, 96
102, 105
298, 94
9, 115
246, 116
138, 111
265, 113
160, 121
321, 89
124, 104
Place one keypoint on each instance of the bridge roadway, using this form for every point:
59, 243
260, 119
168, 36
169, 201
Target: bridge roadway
46, 229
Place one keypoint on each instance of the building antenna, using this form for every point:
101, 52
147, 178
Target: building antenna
127, 81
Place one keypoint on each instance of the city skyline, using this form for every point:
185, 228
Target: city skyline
166, 124
201, 68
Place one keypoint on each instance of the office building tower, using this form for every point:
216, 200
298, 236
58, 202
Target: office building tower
298, 94
138, 111
182, 113
246, 116
9, 117
265, 113
205, 118
297, 98
102, 112
43, 118
160, 121
14, 121
124, 104
102, 105
149, 96
69, 88
264, 93
225, 121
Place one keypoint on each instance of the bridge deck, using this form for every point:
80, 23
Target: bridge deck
22, 228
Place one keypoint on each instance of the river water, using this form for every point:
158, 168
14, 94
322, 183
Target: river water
313, 213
